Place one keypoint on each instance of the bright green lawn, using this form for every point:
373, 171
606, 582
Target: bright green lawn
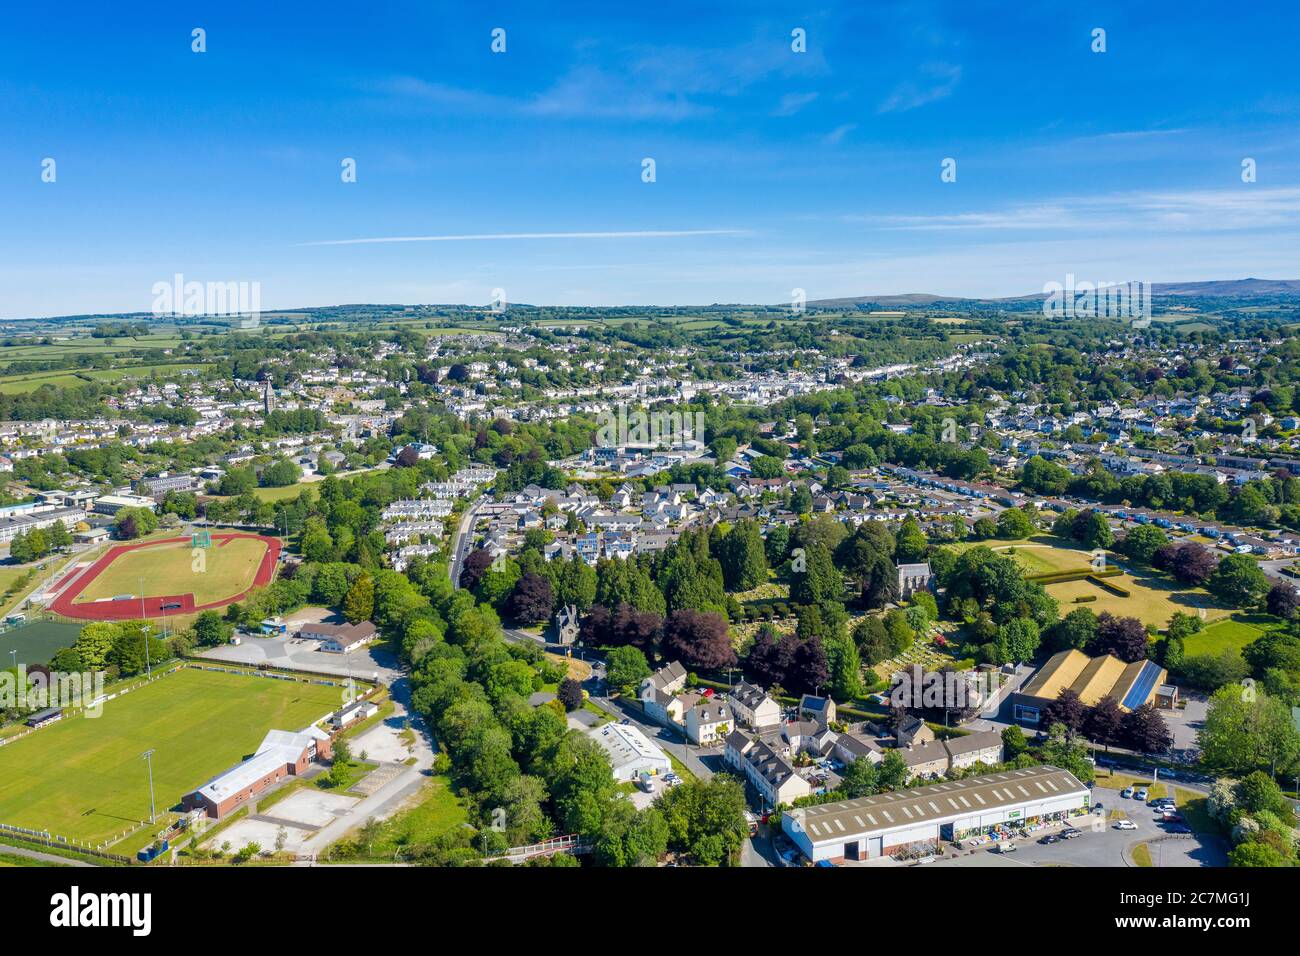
1221, 636
84, 777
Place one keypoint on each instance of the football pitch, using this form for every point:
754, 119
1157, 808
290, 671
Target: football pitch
210, 574
85, 778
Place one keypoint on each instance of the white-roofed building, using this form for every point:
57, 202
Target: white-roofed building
282, 753
630, 752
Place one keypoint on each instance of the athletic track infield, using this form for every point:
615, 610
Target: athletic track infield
128, 609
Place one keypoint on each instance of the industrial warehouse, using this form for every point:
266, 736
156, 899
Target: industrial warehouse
913, 821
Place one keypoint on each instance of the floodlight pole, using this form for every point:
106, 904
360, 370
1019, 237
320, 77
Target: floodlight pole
148, 758
148, 669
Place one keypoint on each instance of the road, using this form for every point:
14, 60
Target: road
462, 540
22, 851
388, 799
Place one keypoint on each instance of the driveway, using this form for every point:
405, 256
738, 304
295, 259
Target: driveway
406, 780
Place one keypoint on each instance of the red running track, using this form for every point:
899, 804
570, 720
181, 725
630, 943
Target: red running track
130, 608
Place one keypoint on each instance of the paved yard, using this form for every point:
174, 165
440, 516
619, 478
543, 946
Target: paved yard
383, 743
291, 654
311, 807
262, 832
1185, 723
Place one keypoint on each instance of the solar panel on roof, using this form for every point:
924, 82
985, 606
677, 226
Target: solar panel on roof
1142, 686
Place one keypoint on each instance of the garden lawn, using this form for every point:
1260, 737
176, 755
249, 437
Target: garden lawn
1153, 599
84, 778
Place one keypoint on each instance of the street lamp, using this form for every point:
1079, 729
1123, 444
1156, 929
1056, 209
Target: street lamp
148, 759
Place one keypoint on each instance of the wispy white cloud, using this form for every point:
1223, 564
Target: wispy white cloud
836, 136
937, 81
792, 103
638, 83
504, 236
1245, 207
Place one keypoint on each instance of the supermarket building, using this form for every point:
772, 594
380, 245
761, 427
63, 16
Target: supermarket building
916, 819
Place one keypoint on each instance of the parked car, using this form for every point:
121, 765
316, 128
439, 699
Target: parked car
1069, 833
1049, 839
1005, 848
1125, 825
1179, 828
1126, 792
1141, 794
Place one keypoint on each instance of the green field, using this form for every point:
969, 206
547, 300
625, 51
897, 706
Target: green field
36, 642
1221, 636
84, 778
438, 811
166, 569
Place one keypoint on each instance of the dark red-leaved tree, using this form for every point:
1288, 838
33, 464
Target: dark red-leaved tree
530, 602
1192, 564
569, 693
810, 672
595, 628
698, 639
640, 629
1104, 723
1067, 709
771, 657
1124, 637
1145, 730
1283, 601
476, 565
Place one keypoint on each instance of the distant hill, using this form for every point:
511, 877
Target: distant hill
1216, 288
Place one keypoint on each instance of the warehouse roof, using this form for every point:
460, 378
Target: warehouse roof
626, 744
1092, 678
279, 748
937, 802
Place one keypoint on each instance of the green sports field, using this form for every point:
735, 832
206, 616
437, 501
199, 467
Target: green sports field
36, 642
84, 777
166, 569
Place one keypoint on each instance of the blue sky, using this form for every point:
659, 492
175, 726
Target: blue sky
775, 169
